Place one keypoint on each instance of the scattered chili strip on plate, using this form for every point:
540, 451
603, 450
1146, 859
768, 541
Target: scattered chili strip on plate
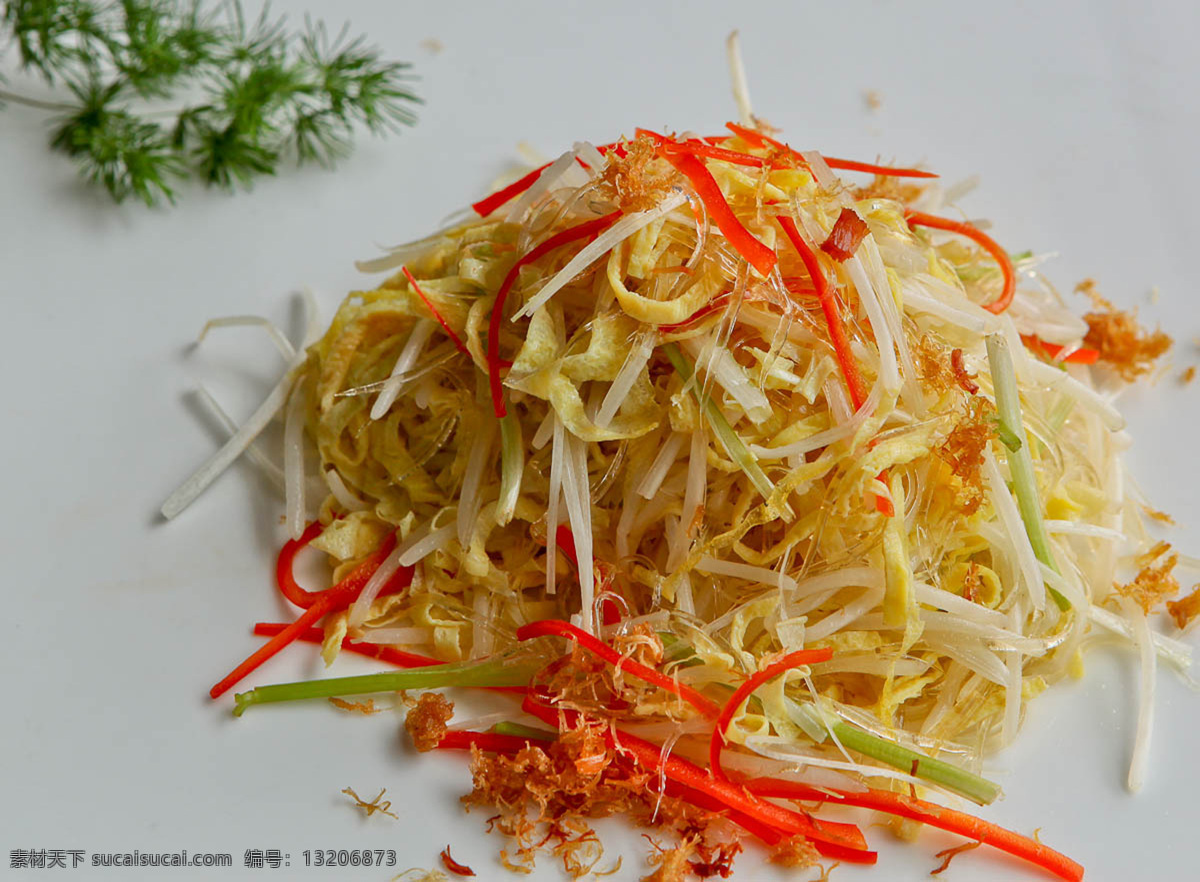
454, 866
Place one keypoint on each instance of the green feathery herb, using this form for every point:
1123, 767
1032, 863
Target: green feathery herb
263, 94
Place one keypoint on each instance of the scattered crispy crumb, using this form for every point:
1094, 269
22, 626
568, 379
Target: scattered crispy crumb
374, 805
718, 864
932, 366
356, 707
432, 44
611, 871
1088, 288
949, 854
426, 722
1153, 295
634, 184
671, 864
1183, 611
794, 851
1161, 516
764, 126
873, 99
1153, 553
423, 876
1188, 375
1155, 581
546, 795
1123, 344
889, 187
963, 451
454, 866
904, 829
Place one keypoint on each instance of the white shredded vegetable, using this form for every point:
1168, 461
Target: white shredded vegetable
272, 472
285, 347
602, 244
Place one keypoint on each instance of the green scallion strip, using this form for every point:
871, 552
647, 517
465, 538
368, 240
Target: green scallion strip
512, 466
520, 731
734, 446
974, 788
1020, 463
492, 672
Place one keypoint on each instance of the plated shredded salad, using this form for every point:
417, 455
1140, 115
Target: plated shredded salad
762, 482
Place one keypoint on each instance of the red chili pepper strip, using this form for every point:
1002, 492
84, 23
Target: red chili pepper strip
756, 828
358, 577
872, 168
484, 207
799, 286
458, 343
565, 540
758, 139
651, 757
558, 628
883, 505
767, 834
997, 306
398, 657
932, 814
716, 305
837, 334
336, 598
724, 154
755, 252
743, 692
492, 742
571, 234
703, 148
1051, 351
610, 613
285, 567
833, 319
309, 617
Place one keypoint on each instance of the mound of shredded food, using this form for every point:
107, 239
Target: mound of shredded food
761, 491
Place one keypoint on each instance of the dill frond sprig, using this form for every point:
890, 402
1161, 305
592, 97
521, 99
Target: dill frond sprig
261, 94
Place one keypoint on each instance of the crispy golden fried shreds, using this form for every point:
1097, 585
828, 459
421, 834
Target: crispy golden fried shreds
691, 858
934, 365
963, 451
1184, 610
546, 796
887, 187
366, 708
378, 804
426, 722
633, 183
1123, 344
1155, 580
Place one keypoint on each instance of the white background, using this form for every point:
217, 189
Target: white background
1081, 118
